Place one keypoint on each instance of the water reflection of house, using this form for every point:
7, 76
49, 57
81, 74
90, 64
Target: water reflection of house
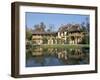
67, 34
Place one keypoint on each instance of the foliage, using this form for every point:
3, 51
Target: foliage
85, 29
86, 26
40, 27
45, 40
50, 29
85, 40
28, 34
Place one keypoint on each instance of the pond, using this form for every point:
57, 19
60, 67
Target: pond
39, 56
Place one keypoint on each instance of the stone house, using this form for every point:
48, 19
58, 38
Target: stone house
66, 34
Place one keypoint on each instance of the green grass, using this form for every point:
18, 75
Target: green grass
65, 46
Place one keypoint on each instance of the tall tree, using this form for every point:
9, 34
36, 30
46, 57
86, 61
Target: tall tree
28, 33
83, 27
50, 29
87, 24
40, 27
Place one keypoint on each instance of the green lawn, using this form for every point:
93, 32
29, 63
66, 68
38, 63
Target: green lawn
65, 46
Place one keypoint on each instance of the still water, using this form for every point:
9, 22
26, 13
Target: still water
57, 57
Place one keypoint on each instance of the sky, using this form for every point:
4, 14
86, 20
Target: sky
53, 19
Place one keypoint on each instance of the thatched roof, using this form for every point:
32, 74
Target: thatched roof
43, 33
75, 28
70, 28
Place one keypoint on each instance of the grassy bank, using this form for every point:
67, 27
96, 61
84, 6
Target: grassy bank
65, 46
